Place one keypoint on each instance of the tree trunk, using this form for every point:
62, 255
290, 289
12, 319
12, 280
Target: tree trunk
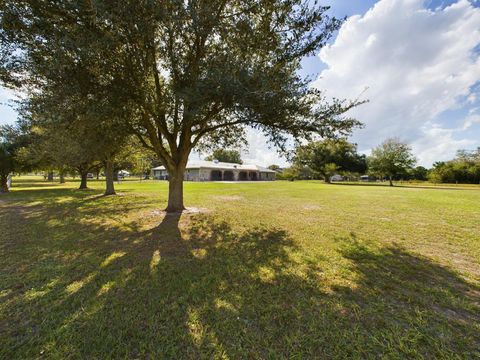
83, 182
175, 192
4, 184
50, 176
390, 179
327, 179
62, 177
110, 189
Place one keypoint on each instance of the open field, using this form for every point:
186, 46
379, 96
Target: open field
270, 270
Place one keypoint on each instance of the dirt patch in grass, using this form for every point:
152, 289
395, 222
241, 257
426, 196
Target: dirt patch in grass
456, 315
187, 211
227, 198
311, 207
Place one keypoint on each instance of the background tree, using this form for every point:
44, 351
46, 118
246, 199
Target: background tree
7, 163
67, 147
76, 129
288, 173
144, 161
133, 158
184, 74
12, 140
391, 158
274, 167
329, 157
224, 155
419, 173
464, 168
296, 172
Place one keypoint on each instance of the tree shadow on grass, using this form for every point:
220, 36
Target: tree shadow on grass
193, 287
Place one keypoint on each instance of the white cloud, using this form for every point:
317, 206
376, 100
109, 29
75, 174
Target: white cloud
416, 63
436, 142
259, 152
471, 120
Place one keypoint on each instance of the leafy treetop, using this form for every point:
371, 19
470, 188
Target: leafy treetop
223, 155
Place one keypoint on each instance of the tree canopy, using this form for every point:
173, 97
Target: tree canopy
328, 157
465, 168
392, 158
181, 75
224, 155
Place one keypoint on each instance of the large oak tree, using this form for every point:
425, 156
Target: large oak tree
182, 74
328, 157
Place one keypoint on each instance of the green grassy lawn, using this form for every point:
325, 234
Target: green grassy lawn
269, 270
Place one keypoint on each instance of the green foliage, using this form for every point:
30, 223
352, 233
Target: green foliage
181, 75
390, 159
134, 158
224, 155
329, 157
465, 168
274, 167
419, 173
296, 172
58, 145
13, 140
7, 159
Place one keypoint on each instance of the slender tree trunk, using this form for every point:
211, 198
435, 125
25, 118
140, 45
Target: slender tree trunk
83, 181
327, 179
62, 177
110, 188
4, 184
50, 176
175, 192
390, 179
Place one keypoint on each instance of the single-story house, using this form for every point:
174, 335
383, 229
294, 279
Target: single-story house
219, 171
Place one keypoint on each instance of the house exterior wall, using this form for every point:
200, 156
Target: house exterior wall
204, 174
160, 174
192, 175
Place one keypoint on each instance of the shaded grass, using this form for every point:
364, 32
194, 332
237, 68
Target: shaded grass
275, 270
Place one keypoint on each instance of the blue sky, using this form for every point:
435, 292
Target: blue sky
419, 61
342, 8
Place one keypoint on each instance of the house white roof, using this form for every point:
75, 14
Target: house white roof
221, 165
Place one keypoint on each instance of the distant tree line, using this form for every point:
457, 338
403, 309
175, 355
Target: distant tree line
326, 158
464, 168
392, 160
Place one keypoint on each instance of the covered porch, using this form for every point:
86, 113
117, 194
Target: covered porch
233, 175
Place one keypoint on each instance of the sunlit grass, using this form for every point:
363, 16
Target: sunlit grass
277, 269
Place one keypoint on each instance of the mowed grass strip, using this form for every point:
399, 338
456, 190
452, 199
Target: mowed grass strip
268, 270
